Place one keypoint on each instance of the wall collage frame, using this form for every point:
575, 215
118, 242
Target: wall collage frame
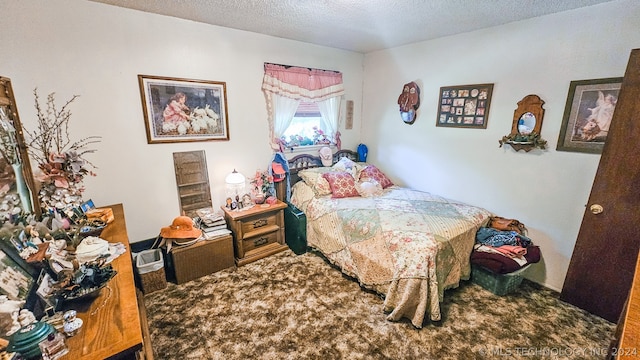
465, 106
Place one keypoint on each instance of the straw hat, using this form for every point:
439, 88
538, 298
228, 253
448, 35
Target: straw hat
181, 228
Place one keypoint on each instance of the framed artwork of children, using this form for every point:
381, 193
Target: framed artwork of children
464, 106
177, 110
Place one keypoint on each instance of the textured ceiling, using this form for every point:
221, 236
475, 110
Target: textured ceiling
356, 25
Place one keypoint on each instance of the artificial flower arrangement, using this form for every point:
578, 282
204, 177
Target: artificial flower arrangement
262, 183
61, 162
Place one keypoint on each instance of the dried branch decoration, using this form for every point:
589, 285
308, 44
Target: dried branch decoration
52, 134
61, 160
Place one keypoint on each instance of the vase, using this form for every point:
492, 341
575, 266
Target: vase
22, 188
259, 198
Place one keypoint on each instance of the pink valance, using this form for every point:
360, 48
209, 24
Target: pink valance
302, 83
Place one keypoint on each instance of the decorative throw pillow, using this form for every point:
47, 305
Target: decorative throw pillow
313, 178
344, 163
347, 165
369, 188
372, 172
341, 183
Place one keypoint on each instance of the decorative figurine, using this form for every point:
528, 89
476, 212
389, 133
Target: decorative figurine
26, 317
71, 323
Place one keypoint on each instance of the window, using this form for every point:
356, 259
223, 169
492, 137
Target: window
286, 88
306, 128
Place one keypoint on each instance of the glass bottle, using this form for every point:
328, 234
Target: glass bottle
53, 347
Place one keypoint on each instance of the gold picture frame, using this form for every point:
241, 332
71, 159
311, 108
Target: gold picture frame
177, 110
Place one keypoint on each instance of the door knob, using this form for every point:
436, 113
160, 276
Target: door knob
596, 209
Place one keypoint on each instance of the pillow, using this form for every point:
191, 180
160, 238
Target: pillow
313, 178
344, 163
341, 183
347, 165
369, 188
372, 172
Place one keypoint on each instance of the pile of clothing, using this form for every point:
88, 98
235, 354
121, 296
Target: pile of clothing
502, 246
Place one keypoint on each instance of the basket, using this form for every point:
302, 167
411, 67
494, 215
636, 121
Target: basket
150, 265
499, 284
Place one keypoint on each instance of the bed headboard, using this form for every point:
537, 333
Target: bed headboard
307, 161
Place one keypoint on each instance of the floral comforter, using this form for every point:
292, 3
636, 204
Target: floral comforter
406, 244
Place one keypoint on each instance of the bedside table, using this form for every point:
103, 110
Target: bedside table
257, 232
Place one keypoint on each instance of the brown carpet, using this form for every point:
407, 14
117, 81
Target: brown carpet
299, 307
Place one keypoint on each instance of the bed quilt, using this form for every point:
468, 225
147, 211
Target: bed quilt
406, 244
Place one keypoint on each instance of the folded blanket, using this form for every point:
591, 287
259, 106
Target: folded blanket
501, 264
493, 237
512, 251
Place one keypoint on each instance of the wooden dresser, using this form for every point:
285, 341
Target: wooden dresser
257, 232
114, 323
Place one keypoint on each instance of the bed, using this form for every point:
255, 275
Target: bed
407, 245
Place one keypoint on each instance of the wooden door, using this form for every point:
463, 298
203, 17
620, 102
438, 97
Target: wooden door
602, 265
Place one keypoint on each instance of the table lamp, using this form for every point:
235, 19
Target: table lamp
235, 184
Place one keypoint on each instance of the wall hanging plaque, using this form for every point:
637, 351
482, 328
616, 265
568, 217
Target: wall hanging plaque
409, 102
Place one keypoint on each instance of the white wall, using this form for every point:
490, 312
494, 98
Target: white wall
97, 51
546, 190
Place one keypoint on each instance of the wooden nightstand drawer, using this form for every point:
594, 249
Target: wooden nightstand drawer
260, 224
257, 242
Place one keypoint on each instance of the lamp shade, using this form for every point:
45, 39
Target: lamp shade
235, 183
235, 178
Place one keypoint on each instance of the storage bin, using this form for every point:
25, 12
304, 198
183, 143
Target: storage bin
150, 266
295, 229
202, 258
499, 284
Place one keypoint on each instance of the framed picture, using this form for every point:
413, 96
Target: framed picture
587, 114
17, 277
87, 205
177, 110
465, 106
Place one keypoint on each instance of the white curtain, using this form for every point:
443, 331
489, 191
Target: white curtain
284, 87
330, 111
281, 112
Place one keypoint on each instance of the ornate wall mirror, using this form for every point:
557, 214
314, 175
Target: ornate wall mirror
16, 177
526, 126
